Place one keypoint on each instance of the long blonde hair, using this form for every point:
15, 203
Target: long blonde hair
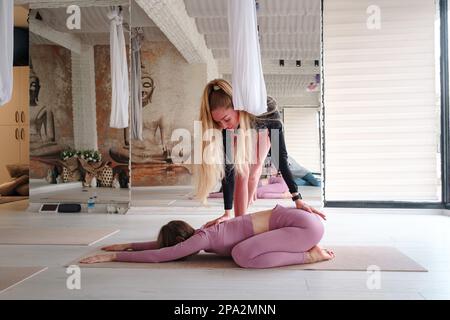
211, 170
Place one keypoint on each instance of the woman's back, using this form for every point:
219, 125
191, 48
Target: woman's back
224, 236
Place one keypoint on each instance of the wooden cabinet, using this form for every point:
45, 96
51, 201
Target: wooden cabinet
9, 113
14, 124
10, 146
24, 111
24, 145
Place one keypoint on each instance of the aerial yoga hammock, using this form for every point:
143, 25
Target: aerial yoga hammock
119, 72
249, 88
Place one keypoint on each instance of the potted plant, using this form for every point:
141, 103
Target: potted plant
97, 172
69, 161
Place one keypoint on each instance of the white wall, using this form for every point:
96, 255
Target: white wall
302, 136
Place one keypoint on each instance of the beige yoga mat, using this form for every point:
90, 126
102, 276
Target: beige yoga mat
12, 276
54, 236
354, 258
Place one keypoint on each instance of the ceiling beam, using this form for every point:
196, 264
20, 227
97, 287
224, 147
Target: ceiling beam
171, 18
66, 40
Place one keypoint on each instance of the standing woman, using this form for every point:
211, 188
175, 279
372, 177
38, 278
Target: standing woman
231, 158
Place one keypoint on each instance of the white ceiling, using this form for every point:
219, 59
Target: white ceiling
94, 23
93, 19
288, 30
217, 8
291, 27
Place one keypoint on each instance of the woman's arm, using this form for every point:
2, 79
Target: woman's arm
139, 246
194, 244
228, 187
228, 180
118, 247
197, 242
135, 246
280, 161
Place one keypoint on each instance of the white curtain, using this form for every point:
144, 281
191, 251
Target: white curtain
119, 72
381, 115
7, 50
249, 88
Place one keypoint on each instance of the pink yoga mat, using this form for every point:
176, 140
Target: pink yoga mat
348, 258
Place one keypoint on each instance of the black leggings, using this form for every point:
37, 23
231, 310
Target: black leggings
279, 157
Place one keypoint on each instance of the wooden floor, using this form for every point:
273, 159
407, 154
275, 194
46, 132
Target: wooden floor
422, 235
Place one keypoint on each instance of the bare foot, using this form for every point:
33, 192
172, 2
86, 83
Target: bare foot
317, 254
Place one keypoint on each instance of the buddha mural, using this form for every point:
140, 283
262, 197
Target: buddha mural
42, 123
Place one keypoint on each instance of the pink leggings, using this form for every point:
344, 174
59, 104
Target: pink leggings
292, 232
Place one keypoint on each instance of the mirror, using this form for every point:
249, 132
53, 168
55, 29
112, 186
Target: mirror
75, 155
172, 88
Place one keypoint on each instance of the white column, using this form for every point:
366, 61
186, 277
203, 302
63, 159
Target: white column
83, 99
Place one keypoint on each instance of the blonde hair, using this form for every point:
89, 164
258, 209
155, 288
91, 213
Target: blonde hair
218, 93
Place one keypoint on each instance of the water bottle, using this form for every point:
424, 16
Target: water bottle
90, 205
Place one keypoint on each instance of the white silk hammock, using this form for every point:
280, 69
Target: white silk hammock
249, 88
7, 50
119, 72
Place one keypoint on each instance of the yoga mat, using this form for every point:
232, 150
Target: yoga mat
354, 258
12, 276
54, 236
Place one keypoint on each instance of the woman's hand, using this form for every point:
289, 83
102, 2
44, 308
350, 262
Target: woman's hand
99, 258
300, 204
222, 218
117, 247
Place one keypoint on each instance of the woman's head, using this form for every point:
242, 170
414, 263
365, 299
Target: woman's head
174, 232
219, 102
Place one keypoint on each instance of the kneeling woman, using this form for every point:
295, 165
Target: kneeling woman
272, 238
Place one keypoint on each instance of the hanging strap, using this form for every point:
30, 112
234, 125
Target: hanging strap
119, 72
249, 88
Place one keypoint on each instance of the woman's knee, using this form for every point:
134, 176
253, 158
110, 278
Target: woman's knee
243, 176
238, 253
310, 223
241, 181
316, 228
254, 178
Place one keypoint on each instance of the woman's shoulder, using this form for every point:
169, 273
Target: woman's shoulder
272, 110
272, 104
